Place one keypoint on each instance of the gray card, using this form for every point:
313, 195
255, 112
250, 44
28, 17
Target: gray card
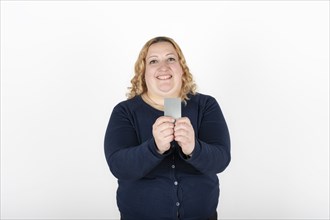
172, 107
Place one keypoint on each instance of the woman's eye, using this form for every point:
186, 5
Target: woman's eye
171, 59
152, 61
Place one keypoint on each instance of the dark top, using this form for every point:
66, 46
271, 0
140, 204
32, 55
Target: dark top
170, 186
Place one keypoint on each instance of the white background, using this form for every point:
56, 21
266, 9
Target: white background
64, 65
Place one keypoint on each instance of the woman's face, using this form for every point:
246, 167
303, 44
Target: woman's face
163, 73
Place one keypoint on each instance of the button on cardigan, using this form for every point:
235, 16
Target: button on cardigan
169, 186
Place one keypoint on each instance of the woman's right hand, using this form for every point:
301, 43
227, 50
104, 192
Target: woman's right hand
163, 132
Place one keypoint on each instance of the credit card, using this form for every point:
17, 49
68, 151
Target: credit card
172, 107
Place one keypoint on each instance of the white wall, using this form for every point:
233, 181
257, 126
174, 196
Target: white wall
64, 65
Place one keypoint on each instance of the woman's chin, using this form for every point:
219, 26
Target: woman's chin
167, 91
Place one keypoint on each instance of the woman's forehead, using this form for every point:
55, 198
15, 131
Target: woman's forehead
161, 46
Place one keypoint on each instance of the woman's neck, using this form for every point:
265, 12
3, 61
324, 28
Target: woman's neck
154, 101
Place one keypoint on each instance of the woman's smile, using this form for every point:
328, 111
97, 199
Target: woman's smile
164, 77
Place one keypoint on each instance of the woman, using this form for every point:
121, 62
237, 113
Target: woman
166, 168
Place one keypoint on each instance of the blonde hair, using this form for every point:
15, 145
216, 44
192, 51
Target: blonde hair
138, 81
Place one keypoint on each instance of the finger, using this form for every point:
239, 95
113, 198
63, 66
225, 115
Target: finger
164, 142
183, 124
167, 132
181, 132
164, 119
162, 125
169, 139
181, 139
165, 126
181, 127
182, 120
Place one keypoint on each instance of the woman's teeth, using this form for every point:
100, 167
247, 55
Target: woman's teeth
164, 77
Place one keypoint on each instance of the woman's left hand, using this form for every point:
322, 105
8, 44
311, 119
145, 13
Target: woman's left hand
184, 134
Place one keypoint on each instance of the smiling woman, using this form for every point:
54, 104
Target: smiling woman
149, 57
166, 168
163, 72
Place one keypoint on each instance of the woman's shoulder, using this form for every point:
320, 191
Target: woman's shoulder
129, 104
201, 98
204, 103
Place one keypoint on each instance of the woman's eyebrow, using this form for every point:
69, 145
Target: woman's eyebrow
152, 56
156, 56
171, 54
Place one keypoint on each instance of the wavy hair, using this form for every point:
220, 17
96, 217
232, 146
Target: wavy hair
138, 83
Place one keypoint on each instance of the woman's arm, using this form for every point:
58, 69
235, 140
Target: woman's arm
126, 157
212, 142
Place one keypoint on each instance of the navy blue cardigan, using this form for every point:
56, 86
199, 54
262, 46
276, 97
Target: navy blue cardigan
171, 186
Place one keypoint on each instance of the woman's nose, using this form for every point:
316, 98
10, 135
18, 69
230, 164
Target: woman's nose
164, 65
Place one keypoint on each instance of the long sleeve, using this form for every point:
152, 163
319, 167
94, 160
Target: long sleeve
212, 146
154, 186
126, 157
